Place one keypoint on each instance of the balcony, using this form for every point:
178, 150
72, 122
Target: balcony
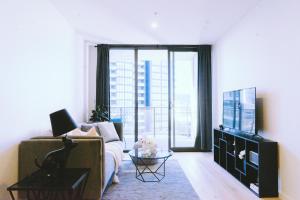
154, 122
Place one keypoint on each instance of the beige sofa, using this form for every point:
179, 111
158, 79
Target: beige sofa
89, 153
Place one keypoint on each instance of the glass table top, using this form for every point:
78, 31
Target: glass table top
67, 180
139, 153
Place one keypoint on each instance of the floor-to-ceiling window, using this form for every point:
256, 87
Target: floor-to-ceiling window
122, 92
153, 92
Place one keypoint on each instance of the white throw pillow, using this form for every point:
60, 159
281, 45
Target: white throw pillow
108, 131
92, 132
77, 132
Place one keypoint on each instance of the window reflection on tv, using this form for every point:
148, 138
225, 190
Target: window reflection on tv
239, 110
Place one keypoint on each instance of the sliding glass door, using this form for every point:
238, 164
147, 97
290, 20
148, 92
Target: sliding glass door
183, 99
154, 93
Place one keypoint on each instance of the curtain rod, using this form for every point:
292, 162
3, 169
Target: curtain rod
151, 46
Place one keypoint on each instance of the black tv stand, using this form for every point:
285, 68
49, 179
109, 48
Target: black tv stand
260, 177
256, 136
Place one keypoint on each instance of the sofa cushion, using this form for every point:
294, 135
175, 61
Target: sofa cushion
109, 169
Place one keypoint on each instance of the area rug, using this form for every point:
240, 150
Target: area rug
175, 185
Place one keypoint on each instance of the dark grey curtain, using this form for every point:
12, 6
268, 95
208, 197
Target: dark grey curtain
102, 80
204, 126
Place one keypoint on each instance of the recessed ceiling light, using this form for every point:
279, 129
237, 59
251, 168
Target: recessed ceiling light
154, 25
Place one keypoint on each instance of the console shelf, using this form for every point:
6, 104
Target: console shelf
262, 172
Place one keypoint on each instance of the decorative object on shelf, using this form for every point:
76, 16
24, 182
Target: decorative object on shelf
55, 160
253, 157
242, 154
100, 114
242, 157
254, 187
147, 145
221, 127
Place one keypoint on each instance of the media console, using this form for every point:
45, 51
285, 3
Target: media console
257, 169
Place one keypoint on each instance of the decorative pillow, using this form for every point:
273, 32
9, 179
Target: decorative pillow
108, 131
86, 127
77, 132
92, 132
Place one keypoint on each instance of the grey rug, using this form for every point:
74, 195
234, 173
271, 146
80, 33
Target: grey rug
175, 185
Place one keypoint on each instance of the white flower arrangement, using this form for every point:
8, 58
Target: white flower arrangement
147, 145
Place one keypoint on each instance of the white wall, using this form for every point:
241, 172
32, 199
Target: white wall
263, 51
39, 74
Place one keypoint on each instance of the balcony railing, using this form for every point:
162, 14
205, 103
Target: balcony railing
153, 120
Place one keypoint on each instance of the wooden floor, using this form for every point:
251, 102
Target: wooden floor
210, 181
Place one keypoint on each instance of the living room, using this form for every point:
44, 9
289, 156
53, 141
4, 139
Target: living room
52, 55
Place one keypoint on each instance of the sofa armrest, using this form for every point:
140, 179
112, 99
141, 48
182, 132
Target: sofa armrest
69, 136
119, 129
89, 153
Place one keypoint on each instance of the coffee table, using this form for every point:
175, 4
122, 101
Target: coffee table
144, 164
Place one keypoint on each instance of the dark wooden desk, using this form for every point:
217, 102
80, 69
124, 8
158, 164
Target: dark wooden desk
68, 184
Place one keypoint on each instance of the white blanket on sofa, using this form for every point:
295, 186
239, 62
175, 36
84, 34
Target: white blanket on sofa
116, 149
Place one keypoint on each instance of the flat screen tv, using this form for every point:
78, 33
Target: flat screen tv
239, 110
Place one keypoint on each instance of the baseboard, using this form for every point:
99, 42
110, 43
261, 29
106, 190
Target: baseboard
284, 196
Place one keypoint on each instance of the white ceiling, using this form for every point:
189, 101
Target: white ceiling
179, 21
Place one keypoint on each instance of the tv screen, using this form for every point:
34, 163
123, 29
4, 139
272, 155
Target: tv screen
239, 110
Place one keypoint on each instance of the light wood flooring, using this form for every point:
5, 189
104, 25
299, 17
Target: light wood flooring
210, 181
